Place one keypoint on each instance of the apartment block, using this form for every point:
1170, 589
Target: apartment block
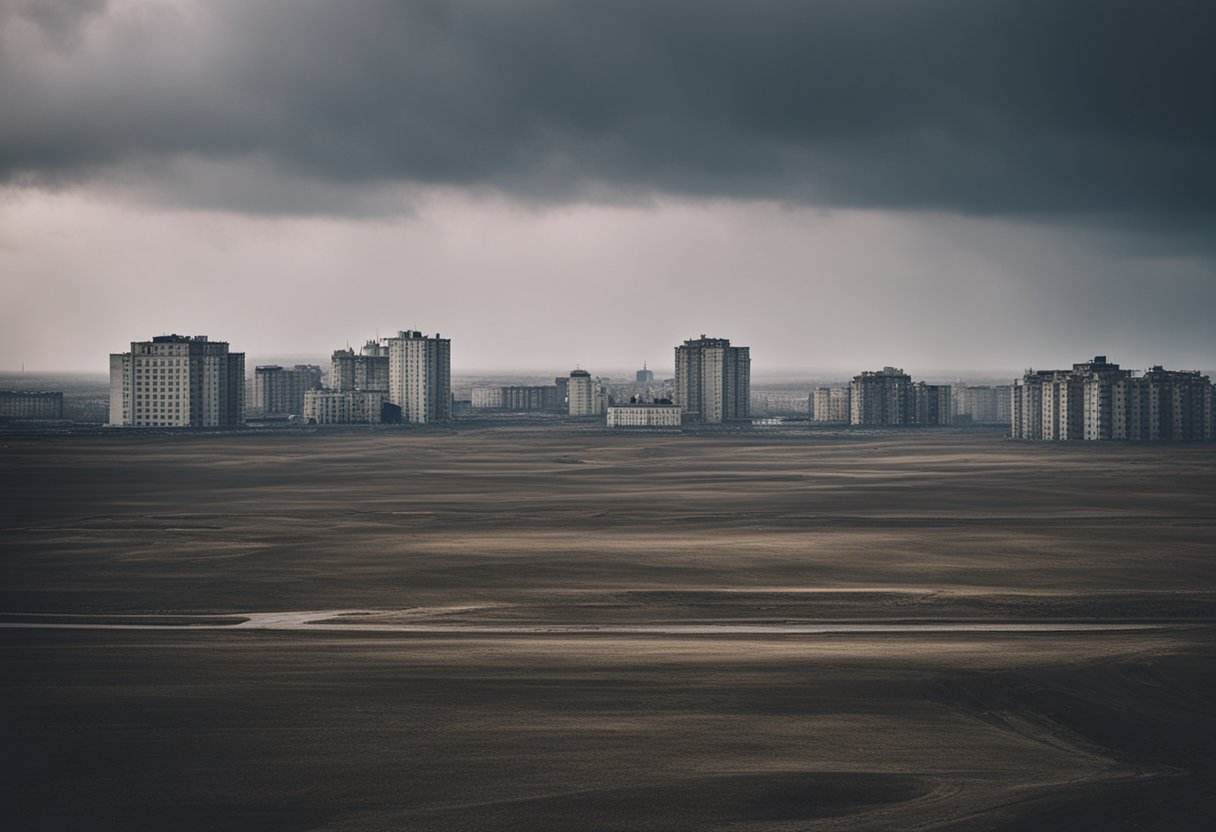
518, 398
177, 381
1097, 400
365, 370
983, 405
280, 390
931, 404
644, 415
713, 381
420, 376
344, 407
584, 395
881, 397
831, 405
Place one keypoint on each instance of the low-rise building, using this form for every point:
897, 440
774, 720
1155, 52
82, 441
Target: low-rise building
344, 407
644, 415
518, 397
487, 398
24, 404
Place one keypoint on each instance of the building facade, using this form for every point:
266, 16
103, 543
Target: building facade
584, 396
486, 398
932, 404
420, 376
281, 390
364, 370
831, 405
177, 381
713, 381
644, 415
1164, 405
518, 398
1097, 400
24, 404
881, 397
343, 407
983, 405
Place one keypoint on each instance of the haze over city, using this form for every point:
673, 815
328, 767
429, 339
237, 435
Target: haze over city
835, 184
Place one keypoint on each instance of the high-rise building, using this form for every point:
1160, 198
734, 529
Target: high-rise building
281, 389
831, 404
420, 376
177, 381
931, 404
882, 397
713, 381
644, 375
365, 370
1162, 405
584, 396
1097, 400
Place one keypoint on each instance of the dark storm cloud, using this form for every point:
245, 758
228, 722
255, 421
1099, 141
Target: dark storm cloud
1100, 108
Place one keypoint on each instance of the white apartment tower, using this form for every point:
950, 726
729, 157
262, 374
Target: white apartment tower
713, 381
583, 395
177, 381
420, 376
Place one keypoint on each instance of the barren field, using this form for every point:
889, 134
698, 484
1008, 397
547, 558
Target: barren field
534, 629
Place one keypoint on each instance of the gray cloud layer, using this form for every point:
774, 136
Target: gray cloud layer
1093, 108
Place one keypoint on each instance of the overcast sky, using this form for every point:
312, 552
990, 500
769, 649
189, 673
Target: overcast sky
835, 184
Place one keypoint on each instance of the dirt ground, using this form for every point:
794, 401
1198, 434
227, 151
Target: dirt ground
553, 687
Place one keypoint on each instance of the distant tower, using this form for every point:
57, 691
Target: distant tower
644, 376
713, 380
